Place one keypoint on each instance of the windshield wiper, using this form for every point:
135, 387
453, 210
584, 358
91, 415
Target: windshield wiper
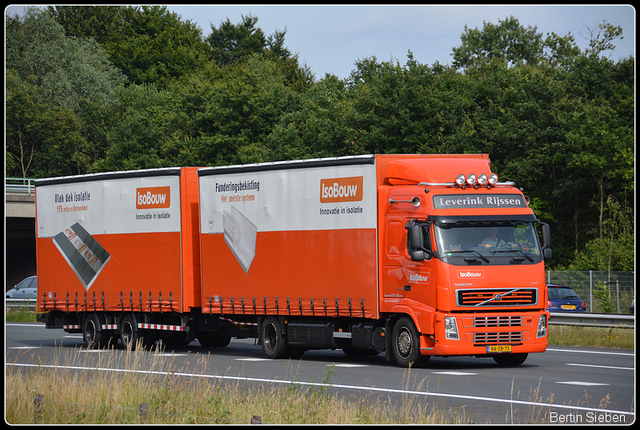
470, 250
513, 250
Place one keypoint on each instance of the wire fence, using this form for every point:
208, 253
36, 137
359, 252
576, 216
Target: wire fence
603, 292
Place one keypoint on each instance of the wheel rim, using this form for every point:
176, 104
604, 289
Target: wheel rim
127, 333
270, 337
90, 332
404, 342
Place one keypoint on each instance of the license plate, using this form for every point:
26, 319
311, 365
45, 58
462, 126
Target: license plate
499, 348
568, 306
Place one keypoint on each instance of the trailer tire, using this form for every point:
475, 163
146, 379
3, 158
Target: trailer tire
132, 337
91, 332
510, 359
274, 344
405, 344
214, 340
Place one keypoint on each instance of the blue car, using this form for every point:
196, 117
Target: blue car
564, 299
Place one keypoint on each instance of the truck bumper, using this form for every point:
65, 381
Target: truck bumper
487, 334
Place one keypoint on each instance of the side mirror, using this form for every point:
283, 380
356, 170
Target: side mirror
416, 237
546, 241
417, 255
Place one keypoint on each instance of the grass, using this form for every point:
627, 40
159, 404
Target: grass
85, 396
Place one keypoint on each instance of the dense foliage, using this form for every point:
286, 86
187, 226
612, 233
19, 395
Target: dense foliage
110, 88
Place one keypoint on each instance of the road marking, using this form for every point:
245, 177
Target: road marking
455, 373
319, 384
590, 352
23, 347
252, 359
170, 354
582, 383
602, 367
347, 365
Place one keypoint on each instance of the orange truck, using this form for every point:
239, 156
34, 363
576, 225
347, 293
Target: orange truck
410, 255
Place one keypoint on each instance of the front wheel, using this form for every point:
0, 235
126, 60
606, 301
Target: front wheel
274, 344
406, 344
510, 359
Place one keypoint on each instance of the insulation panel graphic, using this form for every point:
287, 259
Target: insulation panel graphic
82, 252
241, 236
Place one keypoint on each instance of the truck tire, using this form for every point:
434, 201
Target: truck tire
405, 344
91, 332
510, 359
214, 340
274, 344
130, 334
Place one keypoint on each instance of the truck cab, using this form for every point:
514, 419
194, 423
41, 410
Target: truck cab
461, 255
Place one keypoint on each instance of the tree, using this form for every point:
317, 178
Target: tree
600, 38
149, 43
507, 41
233, 43
50, 80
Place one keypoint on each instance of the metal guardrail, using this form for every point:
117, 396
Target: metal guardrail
20, 185
557, 318
20, 303
592, 320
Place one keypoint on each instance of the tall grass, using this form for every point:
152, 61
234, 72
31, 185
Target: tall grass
153, 391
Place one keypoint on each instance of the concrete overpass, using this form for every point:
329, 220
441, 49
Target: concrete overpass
20, 230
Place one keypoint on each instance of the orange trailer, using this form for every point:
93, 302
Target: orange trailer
410, 255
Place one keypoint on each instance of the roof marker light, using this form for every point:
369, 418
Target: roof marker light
460, 179
493, 178
482, 179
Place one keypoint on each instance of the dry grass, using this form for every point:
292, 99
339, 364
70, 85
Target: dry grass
78, 394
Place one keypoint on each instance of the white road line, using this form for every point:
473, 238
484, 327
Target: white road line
347, 387
590, 352
347, 365
455, 373
582, 383
23, 347
252, 359
602, 367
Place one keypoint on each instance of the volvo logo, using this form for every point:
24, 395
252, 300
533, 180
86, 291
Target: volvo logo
497, 297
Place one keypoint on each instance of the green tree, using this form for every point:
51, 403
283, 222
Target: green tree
149, 44
50, 80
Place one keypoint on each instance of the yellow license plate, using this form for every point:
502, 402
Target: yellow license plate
568, 306
499, 348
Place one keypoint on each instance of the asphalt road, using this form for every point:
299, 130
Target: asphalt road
562, 385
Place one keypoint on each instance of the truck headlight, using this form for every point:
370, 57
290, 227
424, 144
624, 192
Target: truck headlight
542, 326
451, 328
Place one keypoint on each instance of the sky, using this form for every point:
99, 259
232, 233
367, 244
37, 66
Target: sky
331, 38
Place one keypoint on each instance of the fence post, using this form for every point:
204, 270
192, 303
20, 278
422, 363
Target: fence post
590, 290
143, 412
617, 295
38, 403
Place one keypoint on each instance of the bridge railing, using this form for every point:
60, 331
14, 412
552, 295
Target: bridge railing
20, 185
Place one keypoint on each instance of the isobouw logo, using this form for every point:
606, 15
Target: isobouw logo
153, 197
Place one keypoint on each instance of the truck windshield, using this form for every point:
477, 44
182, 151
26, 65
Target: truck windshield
487, 242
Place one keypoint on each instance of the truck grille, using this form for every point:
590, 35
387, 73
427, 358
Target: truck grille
499, 321
491, 338
497, 297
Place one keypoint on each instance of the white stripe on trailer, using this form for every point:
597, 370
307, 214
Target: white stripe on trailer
160, 327
71, 326
109, 326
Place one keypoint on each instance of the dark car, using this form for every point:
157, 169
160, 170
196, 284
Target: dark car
564, 299
25, 289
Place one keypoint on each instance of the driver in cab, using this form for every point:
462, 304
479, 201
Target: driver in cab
493, 240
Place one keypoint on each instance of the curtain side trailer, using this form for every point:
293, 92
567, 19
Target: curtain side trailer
368, 254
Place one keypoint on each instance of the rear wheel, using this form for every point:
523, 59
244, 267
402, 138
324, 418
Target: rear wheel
406, 344
510, 359
130, 334
92, 333
218, 340
274, 344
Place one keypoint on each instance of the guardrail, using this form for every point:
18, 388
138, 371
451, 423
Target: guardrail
592, 320
557, 318
20, 303
20, 185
